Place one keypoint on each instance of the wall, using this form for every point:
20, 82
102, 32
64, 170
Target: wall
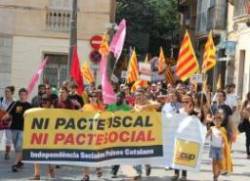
243, 44
24, 36
5, 60
28, 17
26, 59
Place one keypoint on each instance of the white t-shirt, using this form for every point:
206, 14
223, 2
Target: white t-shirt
216, 138
231, 100
168, 107
4, 104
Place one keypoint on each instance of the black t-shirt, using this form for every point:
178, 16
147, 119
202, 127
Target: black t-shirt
53, 98
77, 98
17, 115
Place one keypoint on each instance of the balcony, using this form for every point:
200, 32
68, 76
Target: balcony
241, 11
58, 20
211, 18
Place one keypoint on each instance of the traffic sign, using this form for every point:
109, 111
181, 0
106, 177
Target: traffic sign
95, 42
95, 56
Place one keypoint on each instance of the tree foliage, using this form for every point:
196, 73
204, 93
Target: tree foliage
151, 23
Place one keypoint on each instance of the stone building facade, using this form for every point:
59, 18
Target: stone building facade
30, 30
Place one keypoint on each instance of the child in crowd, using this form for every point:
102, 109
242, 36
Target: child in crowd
218, 137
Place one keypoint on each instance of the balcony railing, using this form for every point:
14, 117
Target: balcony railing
58, 20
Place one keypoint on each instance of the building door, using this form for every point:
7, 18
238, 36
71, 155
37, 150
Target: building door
55, 72
241, 73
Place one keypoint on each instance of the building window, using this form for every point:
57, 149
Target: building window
55, 72
58, 15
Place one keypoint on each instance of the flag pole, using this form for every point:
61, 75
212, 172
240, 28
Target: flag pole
73, 35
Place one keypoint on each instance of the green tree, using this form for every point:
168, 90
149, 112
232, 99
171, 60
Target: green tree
151, 24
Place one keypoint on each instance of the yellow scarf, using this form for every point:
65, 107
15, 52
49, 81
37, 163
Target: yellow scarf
226, 163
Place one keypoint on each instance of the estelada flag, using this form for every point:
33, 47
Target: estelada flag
169, 75
75, 71
133, 72
209, 56
187, 63
87, 73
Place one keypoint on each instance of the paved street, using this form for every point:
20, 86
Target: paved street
241, 169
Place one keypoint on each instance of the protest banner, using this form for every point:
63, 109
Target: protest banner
196, 78
145, 71
147, 74
184, 141
59, 136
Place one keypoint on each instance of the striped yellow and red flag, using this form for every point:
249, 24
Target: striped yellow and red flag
162, 62
87, 74
187, 63
133, 72
139, 83
169, 75
209, 56
104, 47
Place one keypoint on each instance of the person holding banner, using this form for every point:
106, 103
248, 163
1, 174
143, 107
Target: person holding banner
120, 105
6, 104
17, 124
46, 102
142, 104
49, 92
64, 100
75, 98
187, 108
173, 104
95, 106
